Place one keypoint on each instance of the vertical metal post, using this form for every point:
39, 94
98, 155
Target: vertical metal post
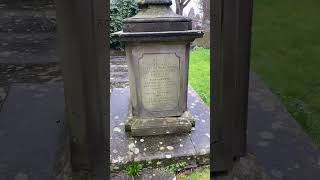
83, 36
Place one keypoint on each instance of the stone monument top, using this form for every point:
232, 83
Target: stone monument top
155, 2
155, 20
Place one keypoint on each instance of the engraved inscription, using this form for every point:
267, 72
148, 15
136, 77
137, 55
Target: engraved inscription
159, 74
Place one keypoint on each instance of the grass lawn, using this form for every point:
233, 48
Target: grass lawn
286, 55
199, 73
201, 173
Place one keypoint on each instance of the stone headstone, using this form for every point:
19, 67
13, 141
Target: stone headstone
157, 51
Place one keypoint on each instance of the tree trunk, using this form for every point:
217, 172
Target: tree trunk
180, 4
178, 7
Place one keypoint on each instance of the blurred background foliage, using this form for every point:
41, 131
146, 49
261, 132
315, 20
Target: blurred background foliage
119, 10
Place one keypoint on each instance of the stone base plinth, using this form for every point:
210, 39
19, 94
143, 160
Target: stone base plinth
161, 150
158, 126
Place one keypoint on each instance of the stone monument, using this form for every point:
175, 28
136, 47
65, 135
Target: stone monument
157, 44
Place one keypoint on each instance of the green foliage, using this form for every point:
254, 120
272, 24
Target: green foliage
201, 174
134, 169
174, 168
119, 10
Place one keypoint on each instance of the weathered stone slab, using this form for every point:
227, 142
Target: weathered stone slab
200, 135
32, 132
118, 68
27, 21
159, 151
155, 151
158, 78
158, 126
118, 60
120, 154
276, 139
28, 48
246, 168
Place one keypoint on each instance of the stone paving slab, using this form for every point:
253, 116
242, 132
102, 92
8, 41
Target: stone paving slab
119, 141
32, 132
157, 151
246, 168
200, 140
3, 95
276, 139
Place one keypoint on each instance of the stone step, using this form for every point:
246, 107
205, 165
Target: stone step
27, 4
20, 48
27, 21
30, 73
119, 76
114, 52
118, 60
41, 73
119, 85
118, 68
119, 81
38, 48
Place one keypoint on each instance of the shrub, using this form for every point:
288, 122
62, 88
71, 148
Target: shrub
119, 10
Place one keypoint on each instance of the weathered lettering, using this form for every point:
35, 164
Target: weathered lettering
160, 81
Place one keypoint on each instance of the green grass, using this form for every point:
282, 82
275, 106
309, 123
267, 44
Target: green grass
174, 168
286, 55
134, 170
199, 73
202, 173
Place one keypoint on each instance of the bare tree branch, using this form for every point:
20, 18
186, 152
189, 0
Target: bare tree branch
178, 7
185, 4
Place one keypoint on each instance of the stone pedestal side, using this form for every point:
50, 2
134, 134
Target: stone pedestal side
158, 78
